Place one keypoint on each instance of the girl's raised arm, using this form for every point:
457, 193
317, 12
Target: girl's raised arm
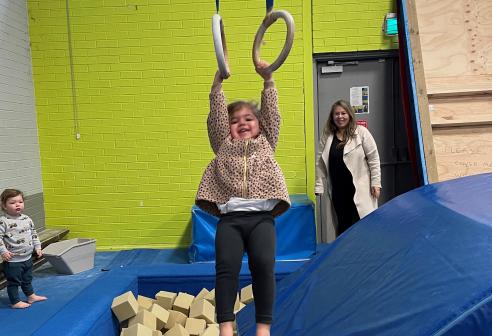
218, 118
269, 114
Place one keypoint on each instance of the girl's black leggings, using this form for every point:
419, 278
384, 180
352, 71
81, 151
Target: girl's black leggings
253, 232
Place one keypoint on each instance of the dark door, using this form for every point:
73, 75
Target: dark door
371, 82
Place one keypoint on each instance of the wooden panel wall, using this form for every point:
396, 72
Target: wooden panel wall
456, 44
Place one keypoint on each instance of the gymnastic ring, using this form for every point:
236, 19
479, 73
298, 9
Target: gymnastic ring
220, 46
269, 19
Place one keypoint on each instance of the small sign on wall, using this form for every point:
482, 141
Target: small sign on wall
362, 122
359, 98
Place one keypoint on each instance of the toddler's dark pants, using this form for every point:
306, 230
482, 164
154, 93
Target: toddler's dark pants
253, 231
18, 274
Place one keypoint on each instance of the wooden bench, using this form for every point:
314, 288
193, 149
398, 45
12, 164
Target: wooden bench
46, 236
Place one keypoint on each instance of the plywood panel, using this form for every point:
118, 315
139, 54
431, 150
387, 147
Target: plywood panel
463, 151
460, 110
456, 39
437, 42
458, 85
484, 26
456, 43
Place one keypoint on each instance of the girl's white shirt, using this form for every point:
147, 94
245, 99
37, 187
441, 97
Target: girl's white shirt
245, 204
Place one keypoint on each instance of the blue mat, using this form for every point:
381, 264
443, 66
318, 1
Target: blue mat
419, 265
295, 229
61, 289
80, 304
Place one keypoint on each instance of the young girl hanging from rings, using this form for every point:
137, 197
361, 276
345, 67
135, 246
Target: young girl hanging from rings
245, 187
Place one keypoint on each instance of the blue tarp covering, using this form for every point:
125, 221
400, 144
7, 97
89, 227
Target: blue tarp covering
419, 265
296, 232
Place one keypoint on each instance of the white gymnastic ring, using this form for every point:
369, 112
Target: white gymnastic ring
220, 45
269, 19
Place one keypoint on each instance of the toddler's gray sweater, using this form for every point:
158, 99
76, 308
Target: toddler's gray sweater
18, 235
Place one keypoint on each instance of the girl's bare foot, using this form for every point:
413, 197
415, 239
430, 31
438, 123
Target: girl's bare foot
35, 298
21, 305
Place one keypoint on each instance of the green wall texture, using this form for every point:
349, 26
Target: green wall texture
141, 73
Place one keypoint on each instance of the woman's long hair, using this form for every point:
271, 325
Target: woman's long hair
331, 127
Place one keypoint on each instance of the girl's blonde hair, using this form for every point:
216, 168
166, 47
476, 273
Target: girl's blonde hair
331, 127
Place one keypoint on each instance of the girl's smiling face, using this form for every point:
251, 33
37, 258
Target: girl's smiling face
244, 124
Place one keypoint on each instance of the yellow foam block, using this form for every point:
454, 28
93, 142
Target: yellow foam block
211, 331
144, 317
211, 296
175, 317
137, 330
165, 299
237, 304
202, 294
182, 302
247, 294
177, 330
145, 302
124, 306
161, 315
195, 326
203, 309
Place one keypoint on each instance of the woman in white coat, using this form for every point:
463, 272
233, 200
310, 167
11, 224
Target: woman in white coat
347, 168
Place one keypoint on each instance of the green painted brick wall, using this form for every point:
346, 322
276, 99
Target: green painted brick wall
142, 73
351, 25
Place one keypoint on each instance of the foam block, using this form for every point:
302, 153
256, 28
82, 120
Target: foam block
202, 294
195, 326
175, 317
137, 330
144, 317
165, 299
203, 309
161, 315
239, 307
124, 306
145, 302
211, 296
177, 330
182, 302
211, 331
237, 304
247, 294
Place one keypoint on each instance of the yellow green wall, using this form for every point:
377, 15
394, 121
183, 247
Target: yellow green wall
142, 73
350, 25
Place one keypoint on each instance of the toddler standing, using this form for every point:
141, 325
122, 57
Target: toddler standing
18, 240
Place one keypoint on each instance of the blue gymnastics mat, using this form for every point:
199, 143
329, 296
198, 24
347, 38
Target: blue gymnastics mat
295, 231
419, 265
79, 304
